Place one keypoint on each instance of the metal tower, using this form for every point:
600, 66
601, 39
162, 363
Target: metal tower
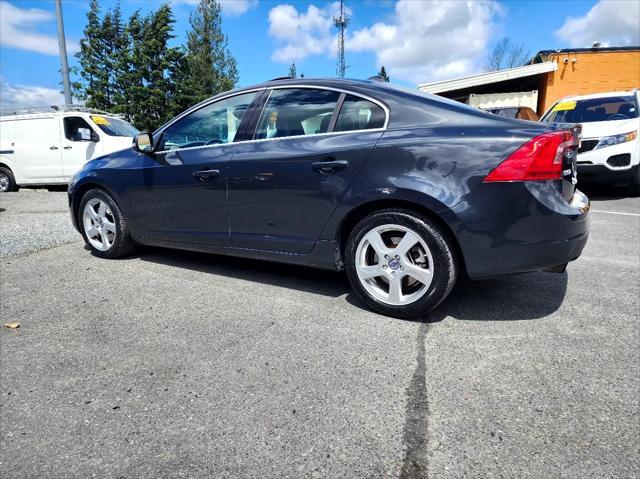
341, 22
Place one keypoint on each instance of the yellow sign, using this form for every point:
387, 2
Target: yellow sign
565, 105
100, 120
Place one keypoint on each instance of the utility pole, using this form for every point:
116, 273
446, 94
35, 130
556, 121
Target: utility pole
341, 22
62, 45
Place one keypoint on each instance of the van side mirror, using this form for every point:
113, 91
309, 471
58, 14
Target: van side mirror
143, 142
94, 137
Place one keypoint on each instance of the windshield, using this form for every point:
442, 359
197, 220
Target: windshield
595, 109
114, 126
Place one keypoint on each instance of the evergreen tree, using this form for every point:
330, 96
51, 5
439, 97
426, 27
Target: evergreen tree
383, 74
153, 68
209, 68
94, 79
292, 71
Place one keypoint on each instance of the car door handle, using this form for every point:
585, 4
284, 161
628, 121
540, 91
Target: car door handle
329, 166
205, 174
53, 147
68, 147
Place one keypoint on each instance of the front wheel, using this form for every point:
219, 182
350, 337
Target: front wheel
7, 180
400, 263
103, 225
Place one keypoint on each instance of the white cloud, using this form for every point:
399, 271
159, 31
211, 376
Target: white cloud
301, 34
232, 8
610, 22
22, 96
17, 30
430, 40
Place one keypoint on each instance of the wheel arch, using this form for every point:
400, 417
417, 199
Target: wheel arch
80, 191
361, 211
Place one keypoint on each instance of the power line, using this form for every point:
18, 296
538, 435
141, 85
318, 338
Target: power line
341, 22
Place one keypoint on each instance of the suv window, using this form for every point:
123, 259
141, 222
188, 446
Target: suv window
77, 129
595, 109
214, 124
296, 112
359, 114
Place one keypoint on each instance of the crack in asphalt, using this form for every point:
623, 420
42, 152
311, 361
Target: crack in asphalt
415, 434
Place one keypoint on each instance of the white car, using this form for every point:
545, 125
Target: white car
49, 147
610, 148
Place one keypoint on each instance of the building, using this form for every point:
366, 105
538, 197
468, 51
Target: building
551, 75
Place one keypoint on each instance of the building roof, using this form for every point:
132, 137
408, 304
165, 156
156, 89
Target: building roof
589, 50
489, 77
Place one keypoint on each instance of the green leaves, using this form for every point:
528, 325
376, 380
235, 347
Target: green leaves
130, 67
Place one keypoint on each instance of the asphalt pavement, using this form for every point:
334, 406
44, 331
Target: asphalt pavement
174, 364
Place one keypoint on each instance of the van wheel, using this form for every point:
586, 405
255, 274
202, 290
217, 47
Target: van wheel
7, 180
103, 225
400, 263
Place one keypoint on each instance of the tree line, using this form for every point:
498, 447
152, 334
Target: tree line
128, 67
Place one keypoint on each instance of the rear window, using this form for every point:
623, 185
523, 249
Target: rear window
595, 109
114, 126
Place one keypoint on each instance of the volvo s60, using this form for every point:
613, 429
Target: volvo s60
404, 192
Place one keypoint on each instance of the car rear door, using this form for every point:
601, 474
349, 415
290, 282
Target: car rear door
36, 150
308, 146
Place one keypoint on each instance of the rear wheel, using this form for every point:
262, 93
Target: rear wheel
400, 263
7, 180
103, 225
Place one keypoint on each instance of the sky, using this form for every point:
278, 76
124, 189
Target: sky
417, 41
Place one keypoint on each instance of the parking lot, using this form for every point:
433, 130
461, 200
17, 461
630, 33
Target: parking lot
174, 364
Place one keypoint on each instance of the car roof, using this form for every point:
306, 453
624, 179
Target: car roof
599, 95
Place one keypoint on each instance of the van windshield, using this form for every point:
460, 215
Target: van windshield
114, 126
595, 109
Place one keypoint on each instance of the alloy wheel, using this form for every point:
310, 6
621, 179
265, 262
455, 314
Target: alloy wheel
394, 264
99, 224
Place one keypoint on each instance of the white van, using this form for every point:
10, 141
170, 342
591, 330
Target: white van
49, 147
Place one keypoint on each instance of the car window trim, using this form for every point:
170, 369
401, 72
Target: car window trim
205, 103
336, 112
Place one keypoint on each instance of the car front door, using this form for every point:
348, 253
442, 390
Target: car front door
182, 194
284, 185
77, 144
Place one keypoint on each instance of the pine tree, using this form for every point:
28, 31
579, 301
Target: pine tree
383, 74
292, 71
152, 68
93, 78
209, 68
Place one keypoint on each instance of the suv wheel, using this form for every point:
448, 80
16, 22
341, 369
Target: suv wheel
7, 180
400, 263
103, 226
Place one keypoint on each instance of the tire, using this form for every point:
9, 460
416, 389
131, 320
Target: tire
7, 180
371, 275
103, 225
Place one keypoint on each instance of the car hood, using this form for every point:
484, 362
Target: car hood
598, 129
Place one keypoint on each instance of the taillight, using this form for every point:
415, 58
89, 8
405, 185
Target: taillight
538, 159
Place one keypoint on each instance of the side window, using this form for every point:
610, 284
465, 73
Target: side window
213, 124
359, 114
77, 129
296, 112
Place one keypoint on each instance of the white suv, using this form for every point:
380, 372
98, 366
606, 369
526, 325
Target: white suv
610, 148
49, 146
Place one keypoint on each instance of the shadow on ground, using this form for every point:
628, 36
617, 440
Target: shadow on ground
510, 298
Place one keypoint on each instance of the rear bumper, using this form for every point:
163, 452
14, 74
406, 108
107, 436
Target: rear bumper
507, 228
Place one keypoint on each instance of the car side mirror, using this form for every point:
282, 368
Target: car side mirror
143, 142
94, 137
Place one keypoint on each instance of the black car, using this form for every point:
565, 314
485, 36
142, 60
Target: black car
403, 191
